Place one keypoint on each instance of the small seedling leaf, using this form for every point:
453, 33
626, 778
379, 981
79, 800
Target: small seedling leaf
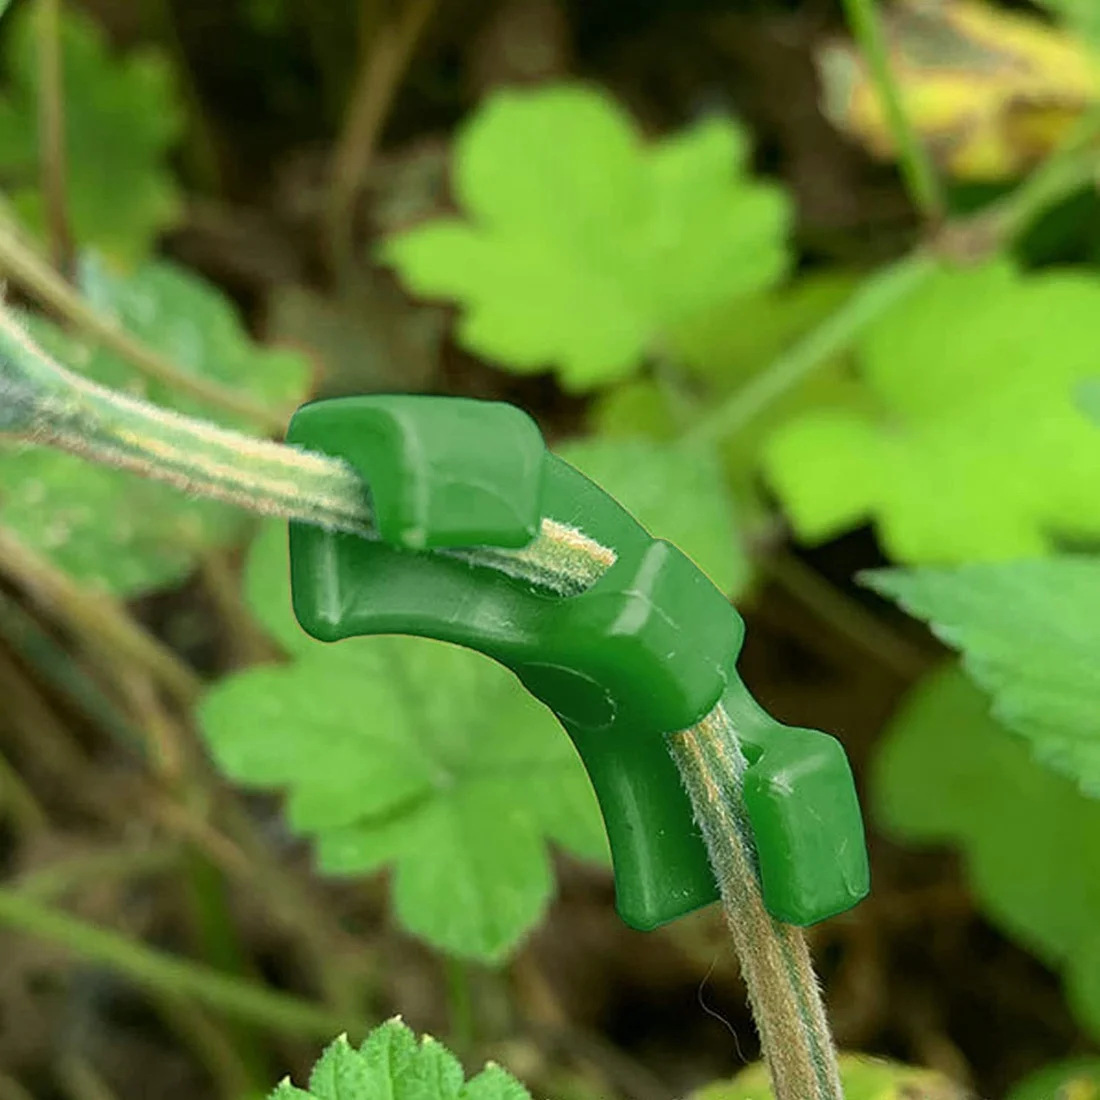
948, 773
122, 117
975, 448
1029, 633
115, 530
581, 245
393, 1063
413, 754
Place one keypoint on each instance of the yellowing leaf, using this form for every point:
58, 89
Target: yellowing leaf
583, 246
990, 91
976, 448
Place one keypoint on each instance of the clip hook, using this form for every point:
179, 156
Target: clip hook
648, 649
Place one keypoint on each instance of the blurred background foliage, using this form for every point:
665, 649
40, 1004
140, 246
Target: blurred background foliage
676, 233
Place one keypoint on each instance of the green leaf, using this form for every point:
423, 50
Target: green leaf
863, 1078
393, 1064
583, 246
1078, 1079
976, 450
1079, 17
1088, 398
676, 494
413, 753
948, 773
112, 529
122, 117
1030, 636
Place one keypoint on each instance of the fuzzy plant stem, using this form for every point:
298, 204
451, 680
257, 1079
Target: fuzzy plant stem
42, 402
775, 959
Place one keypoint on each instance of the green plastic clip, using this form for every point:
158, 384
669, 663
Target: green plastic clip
646, 650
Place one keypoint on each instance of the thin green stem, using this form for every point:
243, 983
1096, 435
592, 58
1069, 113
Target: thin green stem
18, 801
848, 618
460, 1002
212, 1046
874, 297
1072, 166
114, 864
96, 616
51, 128
80, 1080
385, 57
913, 160
57, 667
166, 973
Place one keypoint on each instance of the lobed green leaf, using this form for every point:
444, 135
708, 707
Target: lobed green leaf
393, 1063
122, 118
974, 447
411, 754
581, 246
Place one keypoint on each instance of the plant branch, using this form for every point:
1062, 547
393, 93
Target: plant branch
43, 403
160, 972
49, 289
97, 616
383, 62
276, 479
18, 801
775, 961
873, 298
51, 130
913, 159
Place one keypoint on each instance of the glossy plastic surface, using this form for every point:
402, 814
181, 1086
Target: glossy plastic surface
646, 650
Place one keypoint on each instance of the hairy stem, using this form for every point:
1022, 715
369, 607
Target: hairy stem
913, 159
775, 961
161, 972
25, 268
48, 404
